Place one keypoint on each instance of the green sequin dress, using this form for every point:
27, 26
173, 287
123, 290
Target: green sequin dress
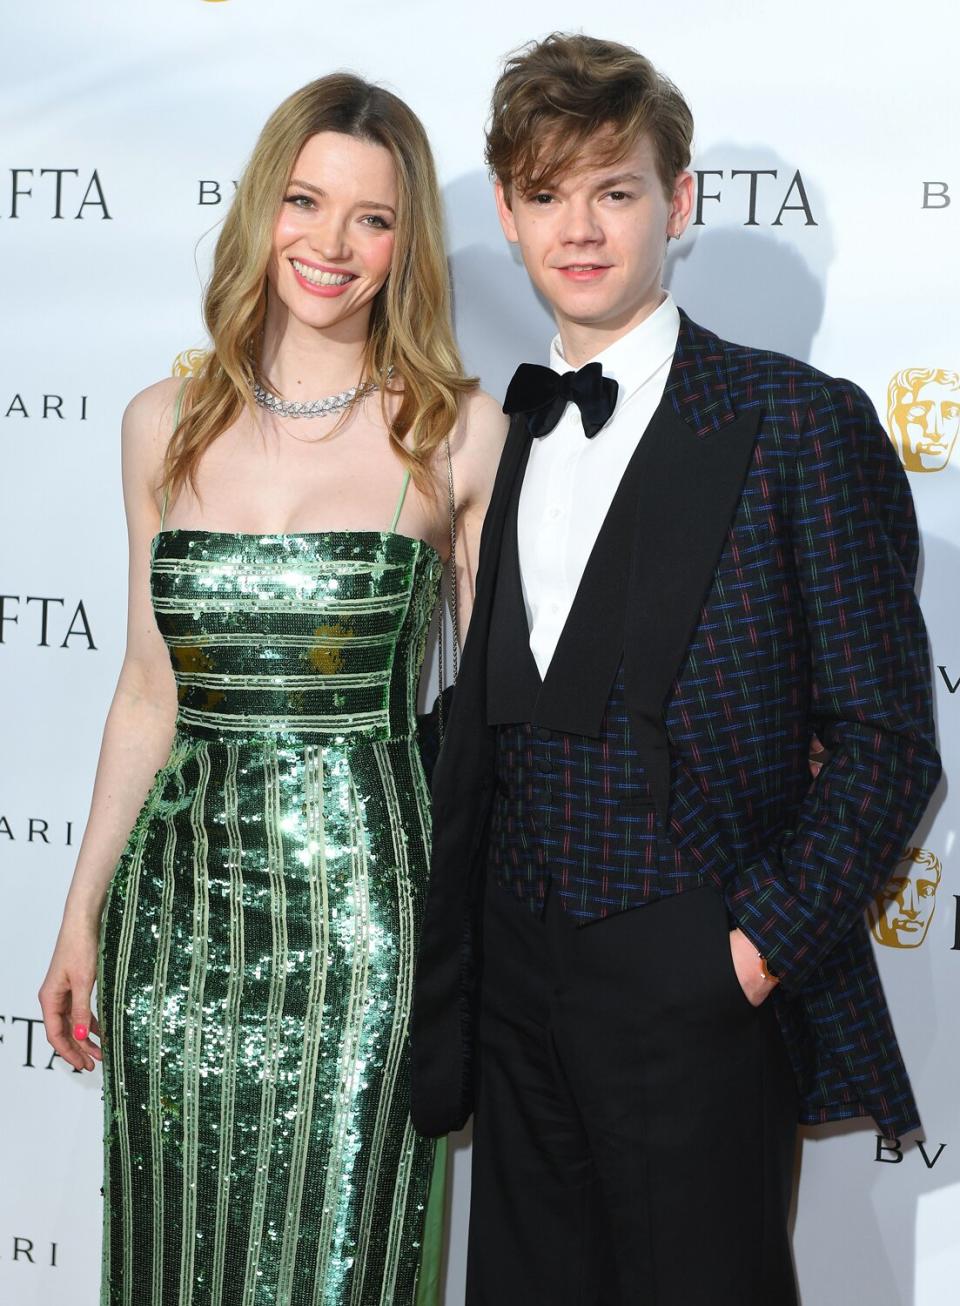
259, 937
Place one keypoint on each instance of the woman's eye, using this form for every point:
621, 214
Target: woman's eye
299, 201
375, 220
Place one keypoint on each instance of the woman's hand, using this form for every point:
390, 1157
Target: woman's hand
65, 997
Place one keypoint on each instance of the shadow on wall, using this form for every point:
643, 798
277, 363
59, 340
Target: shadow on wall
500, 321
858, 1173
754, 269
939, 565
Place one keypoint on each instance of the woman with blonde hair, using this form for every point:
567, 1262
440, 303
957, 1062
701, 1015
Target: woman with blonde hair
256, 901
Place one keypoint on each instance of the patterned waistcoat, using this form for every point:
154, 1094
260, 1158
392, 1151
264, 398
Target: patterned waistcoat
573, 812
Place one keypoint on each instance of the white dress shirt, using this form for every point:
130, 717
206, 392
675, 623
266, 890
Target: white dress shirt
570, 481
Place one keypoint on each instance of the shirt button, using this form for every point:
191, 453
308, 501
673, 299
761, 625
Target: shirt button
554, 513
554, 607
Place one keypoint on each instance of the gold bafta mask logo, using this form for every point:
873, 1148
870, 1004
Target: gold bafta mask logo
901, 913
923, 416
187, 362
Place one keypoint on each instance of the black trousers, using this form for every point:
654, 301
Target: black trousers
636, 1116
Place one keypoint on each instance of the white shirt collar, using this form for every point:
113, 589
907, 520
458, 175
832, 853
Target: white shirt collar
636, 356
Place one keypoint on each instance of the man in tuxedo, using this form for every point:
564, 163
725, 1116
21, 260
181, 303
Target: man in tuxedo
644, 956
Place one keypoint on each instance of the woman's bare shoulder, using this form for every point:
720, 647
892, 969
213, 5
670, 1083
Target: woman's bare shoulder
148, 422
151, 410
481, 426
483, 413
477, 445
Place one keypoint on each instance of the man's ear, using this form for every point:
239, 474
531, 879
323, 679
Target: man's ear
505, 213
681, 206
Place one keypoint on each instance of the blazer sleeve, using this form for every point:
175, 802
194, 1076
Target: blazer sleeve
856, 547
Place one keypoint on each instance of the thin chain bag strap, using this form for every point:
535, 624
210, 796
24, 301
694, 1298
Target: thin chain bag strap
454, 605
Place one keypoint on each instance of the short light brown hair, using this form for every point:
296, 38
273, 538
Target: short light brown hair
557, 94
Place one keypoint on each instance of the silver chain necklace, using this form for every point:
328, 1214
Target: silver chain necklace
313, 407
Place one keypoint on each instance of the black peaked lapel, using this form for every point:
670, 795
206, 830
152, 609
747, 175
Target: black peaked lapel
694, 474
513, 680
574, 693
576, 688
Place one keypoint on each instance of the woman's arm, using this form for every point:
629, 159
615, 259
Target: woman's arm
136, 741
475, 449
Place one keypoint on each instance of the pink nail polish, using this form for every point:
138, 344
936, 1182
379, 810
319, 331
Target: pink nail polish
80, 1032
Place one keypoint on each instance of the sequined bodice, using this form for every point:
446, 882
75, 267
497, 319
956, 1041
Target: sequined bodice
315, 635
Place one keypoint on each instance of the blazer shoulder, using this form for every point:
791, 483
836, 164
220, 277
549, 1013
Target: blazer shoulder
745, 363
782, 382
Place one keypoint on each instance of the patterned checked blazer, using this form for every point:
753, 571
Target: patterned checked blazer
762, 592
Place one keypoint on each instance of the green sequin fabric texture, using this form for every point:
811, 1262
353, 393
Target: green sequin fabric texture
259, 937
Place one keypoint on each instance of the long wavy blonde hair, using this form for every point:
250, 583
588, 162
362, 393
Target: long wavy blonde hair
410, 322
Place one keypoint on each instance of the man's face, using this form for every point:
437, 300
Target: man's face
904, 909
594, 242
930, 422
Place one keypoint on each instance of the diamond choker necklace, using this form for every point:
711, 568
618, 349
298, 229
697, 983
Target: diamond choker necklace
313, 407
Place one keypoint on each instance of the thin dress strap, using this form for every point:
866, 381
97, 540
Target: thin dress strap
177, 407
403, 495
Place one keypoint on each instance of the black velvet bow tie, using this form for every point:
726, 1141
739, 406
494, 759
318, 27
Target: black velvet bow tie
542, 394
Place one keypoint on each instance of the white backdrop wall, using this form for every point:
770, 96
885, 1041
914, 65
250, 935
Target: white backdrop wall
123, 128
